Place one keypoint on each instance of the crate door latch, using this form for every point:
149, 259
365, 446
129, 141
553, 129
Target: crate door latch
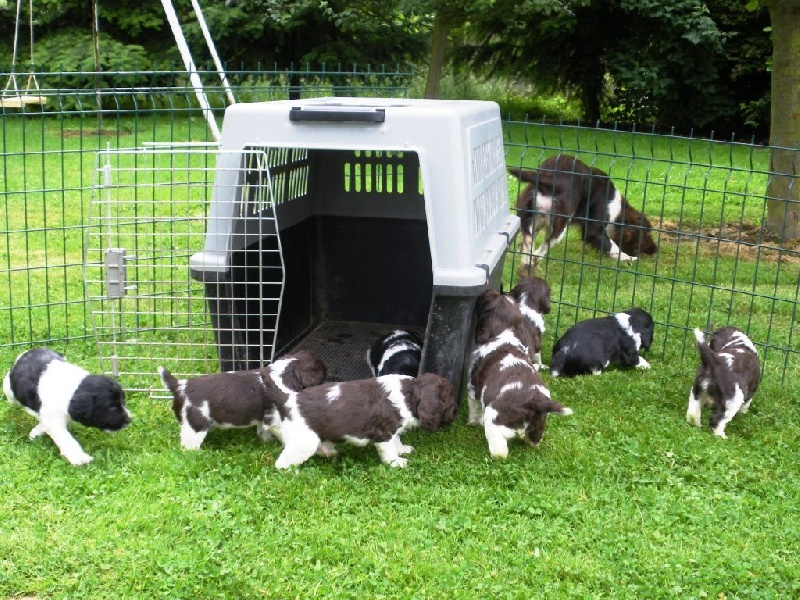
117, 273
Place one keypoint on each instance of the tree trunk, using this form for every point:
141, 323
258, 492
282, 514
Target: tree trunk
783, 189
436, 64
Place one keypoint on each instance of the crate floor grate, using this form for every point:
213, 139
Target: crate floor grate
343, 345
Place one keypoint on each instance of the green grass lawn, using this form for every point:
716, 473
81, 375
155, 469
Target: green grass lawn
623, 499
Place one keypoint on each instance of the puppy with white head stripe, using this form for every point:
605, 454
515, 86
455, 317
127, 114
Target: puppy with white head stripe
396, 353
239, 398
727, 378
592, 345
57, 392
368, 411
506, 394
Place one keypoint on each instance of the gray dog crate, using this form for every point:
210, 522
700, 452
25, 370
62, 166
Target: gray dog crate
334, 220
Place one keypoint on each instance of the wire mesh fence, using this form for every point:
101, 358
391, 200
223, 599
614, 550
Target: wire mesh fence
717, 262
706, 200
47, 177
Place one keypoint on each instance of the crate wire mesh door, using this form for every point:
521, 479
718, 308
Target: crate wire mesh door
148, 215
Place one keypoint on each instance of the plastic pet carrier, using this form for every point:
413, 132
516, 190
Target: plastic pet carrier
335, 220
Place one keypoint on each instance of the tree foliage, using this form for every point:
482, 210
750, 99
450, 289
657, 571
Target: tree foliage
631, 60
699, 63
246, 32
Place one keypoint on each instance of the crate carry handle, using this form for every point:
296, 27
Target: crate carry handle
338, 115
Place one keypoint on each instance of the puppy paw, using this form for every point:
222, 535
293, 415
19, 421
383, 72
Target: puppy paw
283, 465
643, 364
36, 432
327, 449
79, 459
720, 433
405, 449
398, 462
693, 419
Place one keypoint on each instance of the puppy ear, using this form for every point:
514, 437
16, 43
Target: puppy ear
488, 309
528, 335
307, 370
647, 332
536, 428
542, 297
81, 407
435, 400
482, 333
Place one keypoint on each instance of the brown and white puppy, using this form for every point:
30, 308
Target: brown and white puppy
727, 378
58, 392
532, 295
239, 398
367, 411
563, 190
506, 394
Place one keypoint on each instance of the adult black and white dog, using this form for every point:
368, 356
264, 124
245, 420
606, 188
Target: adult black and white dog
239, 398
506, 394
367, 411
592, 345
564, 190
57, 392
532, 295
396, 353
727, 378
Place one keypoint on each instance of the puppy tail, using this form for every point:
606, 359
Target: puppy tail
551, 406
557, 362
706, 354
526, 175
168, 379
7, 388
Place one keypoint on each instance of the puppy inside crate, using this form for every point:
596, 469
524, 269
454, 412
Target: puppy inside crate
398, 352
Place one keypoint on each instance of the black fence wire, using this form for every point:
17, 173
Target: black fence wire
717, 262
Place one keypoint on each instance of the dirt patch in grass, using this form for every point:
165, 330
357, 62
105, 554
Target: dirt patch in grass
744, 241
69, 133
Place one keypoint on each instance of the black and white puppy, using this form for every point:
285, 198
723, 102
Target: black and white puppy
727, 378
367, 411
532, 295
239, 398
396, 353
592, 345
506, 394
57, 392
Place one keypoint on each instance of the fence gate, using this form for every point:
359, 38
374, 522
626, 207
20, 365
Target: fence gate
148, 216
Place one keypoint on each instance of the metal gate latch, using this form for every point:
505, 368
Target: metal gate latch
116, 273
